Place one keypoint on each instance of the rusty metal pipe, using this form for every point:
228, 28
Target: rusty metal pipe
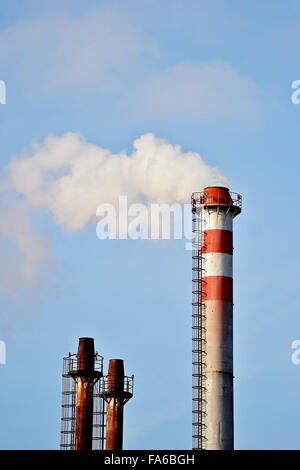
84, 397
114, 418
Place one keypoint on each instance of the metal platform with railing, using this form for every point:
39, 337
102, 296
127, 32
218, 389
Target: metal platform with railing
111, 386
205, 199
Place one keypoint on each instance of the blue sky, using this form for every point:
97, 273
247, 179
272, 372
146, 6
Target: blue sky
214, 77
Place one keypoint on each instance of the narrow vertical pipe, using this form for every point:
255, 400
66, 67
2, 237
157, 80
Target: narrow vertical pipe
84, 397
115, 405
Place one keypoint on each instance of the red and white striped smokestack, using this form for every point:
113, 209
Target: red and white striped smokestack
217, 207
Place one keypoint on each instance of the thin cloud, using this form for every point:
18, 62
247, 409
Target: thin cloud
24, 253
57, 52
206, 91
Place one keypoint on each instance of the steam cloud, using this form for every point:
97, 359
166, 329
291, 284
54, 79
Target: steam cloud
71, 177
22, 267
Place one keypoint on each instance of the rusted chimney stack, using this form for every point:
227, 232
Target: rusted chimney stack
88, 397
85, 376
118, 389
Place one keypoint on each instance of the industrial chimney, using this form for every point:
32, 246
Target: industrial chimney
117, 390
83, 410
213, 212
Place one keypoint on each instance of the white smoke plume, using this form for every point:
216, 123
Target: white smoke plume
22, 251
70, 177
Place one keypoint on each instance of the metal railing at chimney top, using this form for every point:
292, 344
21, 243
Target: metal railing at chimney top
206, 198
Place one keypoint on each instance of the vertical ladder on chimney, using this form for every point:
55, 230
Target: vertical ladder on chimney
198, 325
